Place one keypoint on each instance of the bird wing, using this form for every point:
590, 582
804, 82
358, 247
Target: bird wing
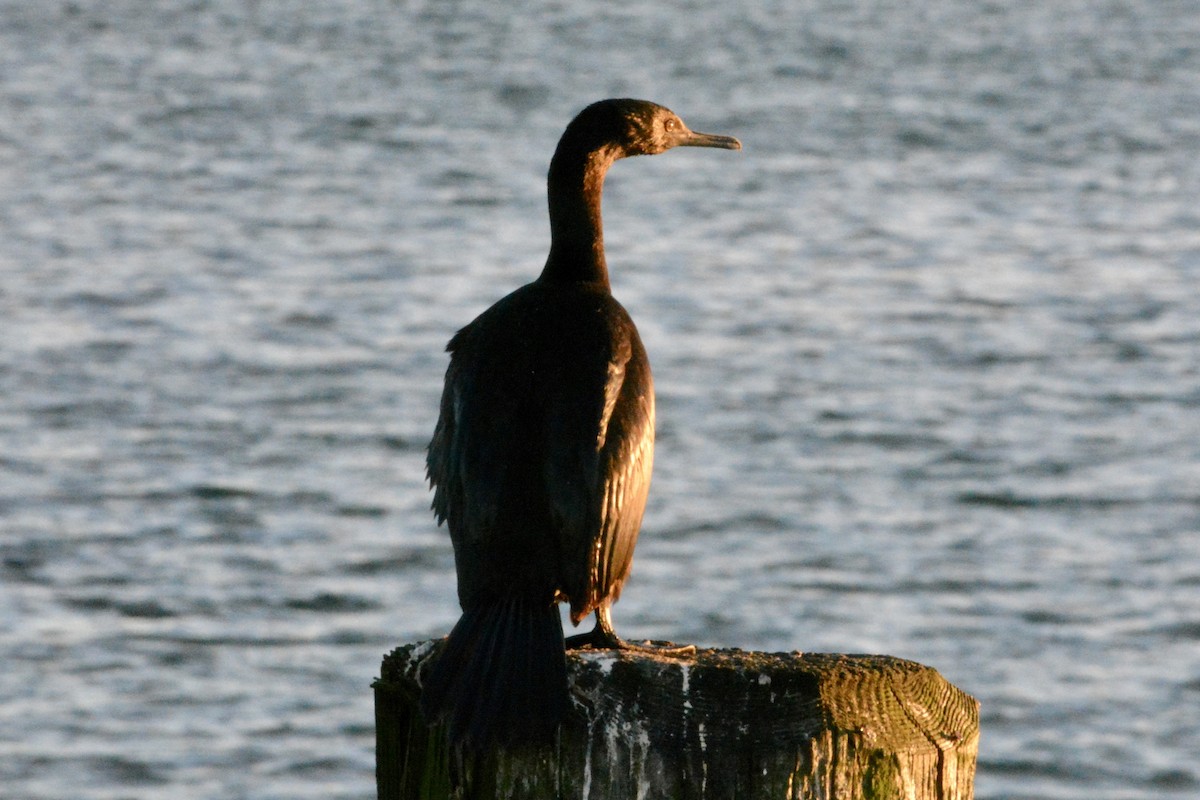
626, 485
444, 462
474, 443
549, 424
600, 476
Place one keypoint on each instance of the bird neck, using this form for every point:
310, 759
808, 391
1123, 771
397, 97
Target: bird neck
575, 186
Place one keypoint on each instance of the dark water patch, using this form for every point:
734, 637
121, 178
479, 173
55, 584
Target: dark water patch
994, 99
827, 562
867, 585
137, 609
250, 564
1046, 617
196, 659
384, 127
230, 503
755, 522
145, 609
327, 396
476, 200
109, 301
21, 466
454, 177
331, 440
233, 527
964, 587
1010, 499
107, 351
1173, 780
312, 320
415, 558
212, 491
307, 499
71, 414
1127, 352
318, 767
23, 560
890, 440
289, 372
221, 641
697, 529
960, 298
1024, 767
126, 771
1047, 468
995, 500
21, 569
234, 521
955, 356
1188, 630
328, 602
921, 138
357, 511
994, 358
958, 456
403, 444
1134, 400
523, 97
109, 581
355, 127
348, 638
356, 730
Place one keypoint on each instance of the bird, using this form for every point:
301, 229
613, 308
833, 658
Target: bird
541, 457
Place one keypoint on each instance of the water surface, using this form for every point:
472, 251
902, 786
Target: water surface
926, 352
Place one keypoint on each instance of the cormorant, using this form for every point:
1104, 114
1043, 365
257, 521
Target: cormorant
541, 457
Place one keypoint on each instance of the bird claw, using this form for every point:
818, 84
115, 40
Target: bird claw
598, 639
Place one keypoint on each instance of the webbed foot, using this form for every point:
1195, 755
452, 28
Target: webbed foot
603, 637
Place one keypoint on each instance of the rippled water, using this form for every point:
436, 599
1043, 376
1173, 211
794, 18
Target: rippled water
927, 353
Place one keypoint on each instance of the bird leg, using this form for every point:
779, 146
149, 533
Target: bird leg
603, 637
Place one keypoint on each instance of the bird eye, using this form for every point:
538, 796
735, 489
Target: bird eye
670, 125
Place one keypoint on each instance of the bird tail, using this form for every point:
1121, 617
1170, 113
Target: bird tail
502, 676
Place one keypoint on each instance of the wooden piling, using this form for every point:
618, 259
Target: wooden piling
723, 724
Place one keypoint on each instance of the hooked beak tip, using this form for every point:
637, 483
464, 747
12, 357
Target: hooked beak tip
694, 139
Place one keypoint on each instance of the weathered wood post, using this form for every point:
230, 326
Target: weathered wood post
724, 724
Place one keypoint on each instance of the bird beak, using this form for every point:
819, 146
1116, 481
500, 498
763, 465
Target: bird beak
694, 139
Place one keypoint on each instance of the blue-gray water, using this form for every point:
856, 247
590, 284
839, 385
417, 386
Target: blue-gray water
927, 354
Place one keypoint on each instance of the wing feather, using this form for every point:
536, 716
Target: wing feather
543, 449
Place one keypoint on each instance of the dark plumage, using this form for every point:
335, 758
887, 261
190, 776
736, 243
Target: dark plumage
542, 453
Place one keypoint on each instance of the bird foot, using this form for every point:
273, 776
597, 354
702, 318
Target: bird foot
599, 639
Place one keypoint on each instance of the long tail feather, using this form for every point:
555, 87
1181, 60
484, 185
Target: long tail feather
502, 675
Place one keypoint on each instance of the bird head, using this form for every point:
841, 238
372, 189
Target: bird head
638, 128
